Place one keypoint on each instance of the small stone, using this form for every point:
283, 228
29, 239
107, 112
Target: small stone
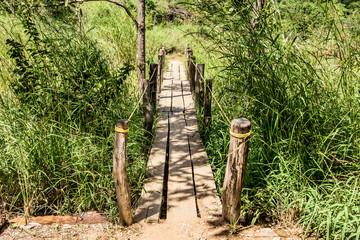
210, 217
66, 226
30, 225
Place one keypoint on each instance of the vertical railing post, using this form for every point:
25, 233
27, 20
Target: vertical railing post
188, 53
235, 169
199, 84
159, 71
163, 50
207, 106
148, 114
192, 70
119, 173
153, 73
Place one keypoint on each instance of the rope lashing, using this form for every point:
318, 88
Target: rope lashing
120, 130
240, 135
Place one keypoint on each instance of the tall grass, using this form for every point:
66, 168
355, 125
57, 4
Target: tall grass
304, 154
63, 94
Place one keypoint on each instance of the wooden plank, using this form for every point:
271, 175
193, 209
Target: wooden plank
182, 72
150, 202
181, 196
207, 199
189, 105
177, 99
165, 96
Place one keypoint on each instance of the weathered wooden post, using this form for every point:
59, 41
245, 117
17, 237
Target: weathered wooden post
192, 69
187, 48
199, 84
159, 72
207, 106
187, 56
163, 63
188, 63
153, 73
148, 114
119, 172
235, 169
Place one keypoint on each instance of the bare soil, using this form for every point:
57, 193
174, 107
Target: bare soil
211, 228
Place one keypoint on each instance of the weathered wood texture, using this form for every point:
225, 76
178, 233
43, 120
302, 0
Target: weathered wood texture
188, 55
188, 162
207, 199
150, 202
148, 114
153, 72
177, 97
141, 44
207, 106
199, 83
192, 70
159, 72
235, 170
119, 173
165, 97
181, 196
163, 55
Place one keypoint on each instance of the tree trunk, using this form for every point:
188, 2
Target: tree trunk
141, 43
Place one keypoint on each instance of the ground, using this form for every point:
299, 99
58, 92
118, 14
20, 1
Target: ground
213, 228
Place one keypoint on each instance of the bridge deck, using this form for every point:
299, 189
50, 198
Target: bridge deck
179, 183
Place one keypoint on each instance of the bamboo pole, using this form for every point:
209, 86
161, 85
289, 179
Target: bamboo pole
119, 173
235, 169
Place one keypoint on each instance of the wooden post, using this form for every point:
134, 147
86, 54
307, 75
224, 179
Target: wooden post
159, 72
207, 106
192, 68
163, 63
153, 73
199, 84
141, 44
235, 169
188, 63
119, 173
148, 115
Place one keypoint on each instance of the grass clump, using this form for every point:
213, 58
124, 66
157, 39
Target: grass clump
304, 153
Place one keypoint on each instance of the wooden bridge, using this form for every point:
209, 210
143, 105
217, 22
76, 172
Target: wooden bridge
179, 199
180, 184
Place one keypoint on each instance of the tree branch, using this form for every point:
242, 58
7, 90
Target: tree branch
110, 1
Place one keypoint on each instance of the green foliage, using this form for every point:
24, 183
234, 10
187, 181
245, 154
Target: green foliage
304, 147
57, 117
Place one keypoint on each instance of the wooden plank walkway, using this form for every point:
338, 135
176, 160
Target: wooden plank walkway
180, 184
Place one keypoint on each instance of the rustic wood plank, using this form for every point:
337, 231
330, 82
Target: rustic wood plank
165, 96
207, 199
177, 98
181, 196
185, 149
150, 202
189, 105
